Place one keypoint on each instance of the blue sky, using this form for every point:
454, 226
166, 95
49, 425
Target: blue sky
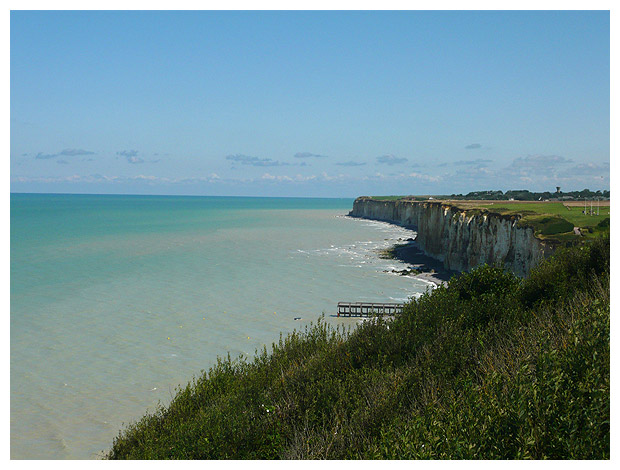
334, 104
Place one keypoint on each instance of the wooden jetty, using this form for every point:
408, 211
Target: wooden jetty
366, 309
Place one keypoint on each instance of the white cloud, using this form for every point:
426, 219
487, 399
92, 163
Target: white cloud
423, 177
255, 161
537, 163
308, 155
127, 153
75, 152
390, 160
351, 163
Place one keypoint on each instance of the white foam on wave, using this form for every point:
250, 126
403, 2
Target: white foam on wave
363, 255
430, 284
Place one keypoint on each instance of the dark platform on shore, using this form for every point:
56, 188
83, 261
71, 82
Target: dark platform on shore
366, 309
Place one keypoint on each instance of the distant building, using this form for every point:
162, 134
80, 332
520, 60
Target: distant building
557, 189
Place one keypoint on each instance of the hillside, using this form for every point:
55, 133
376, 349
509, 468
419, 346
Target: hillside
491, 366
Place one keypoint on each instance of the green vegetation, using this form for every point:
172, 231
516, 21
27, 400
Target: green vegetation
491, 366
547, 224
550, 219
525, 195
396, 198
388, 253
572, 214
390, 198
517, 195
553, 221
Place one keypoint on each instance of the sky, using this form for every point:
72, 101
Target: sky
309, 103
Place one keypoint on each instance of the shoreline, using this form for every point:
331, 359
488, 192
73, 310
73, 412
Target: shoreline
433, 270
408, 252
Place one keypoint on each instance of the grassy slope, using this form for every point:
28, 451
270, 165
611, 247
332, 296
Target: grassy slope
490, 367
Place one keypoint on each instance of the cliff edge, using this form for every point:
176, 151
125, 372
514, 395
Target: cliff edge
461, 239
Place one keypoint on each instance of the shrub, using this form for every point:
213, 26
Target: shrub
547, 224
570, 268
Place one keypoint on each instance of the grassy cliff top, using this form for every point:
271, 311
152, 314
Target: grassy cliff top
553, 221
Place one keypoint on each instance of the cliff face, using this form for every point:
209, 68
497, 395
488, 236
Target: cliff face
460, 240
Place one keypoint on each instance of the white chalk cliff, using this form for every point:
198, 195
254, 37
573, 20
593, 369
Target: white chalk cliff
461, 239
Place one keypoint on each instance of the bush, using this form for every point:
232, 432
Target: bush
548, 224
604, 224
569, 269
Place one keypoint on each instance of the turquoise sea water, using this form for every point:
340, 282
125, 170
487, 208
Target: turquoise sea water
117, 300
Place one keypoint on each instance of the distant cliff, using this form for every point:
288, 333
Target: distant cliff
459, 238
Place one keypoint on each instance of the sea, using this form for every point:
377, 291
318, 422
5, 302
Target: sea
117, 301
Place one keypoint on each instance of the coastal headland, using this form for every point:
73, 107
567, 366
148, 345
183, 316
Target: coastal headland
465, 234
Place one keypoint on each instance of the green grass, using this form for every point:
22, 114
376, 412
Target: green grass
489, 367
387, 198
573, 215
551, 221
554, 220
396, 198
546, 224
